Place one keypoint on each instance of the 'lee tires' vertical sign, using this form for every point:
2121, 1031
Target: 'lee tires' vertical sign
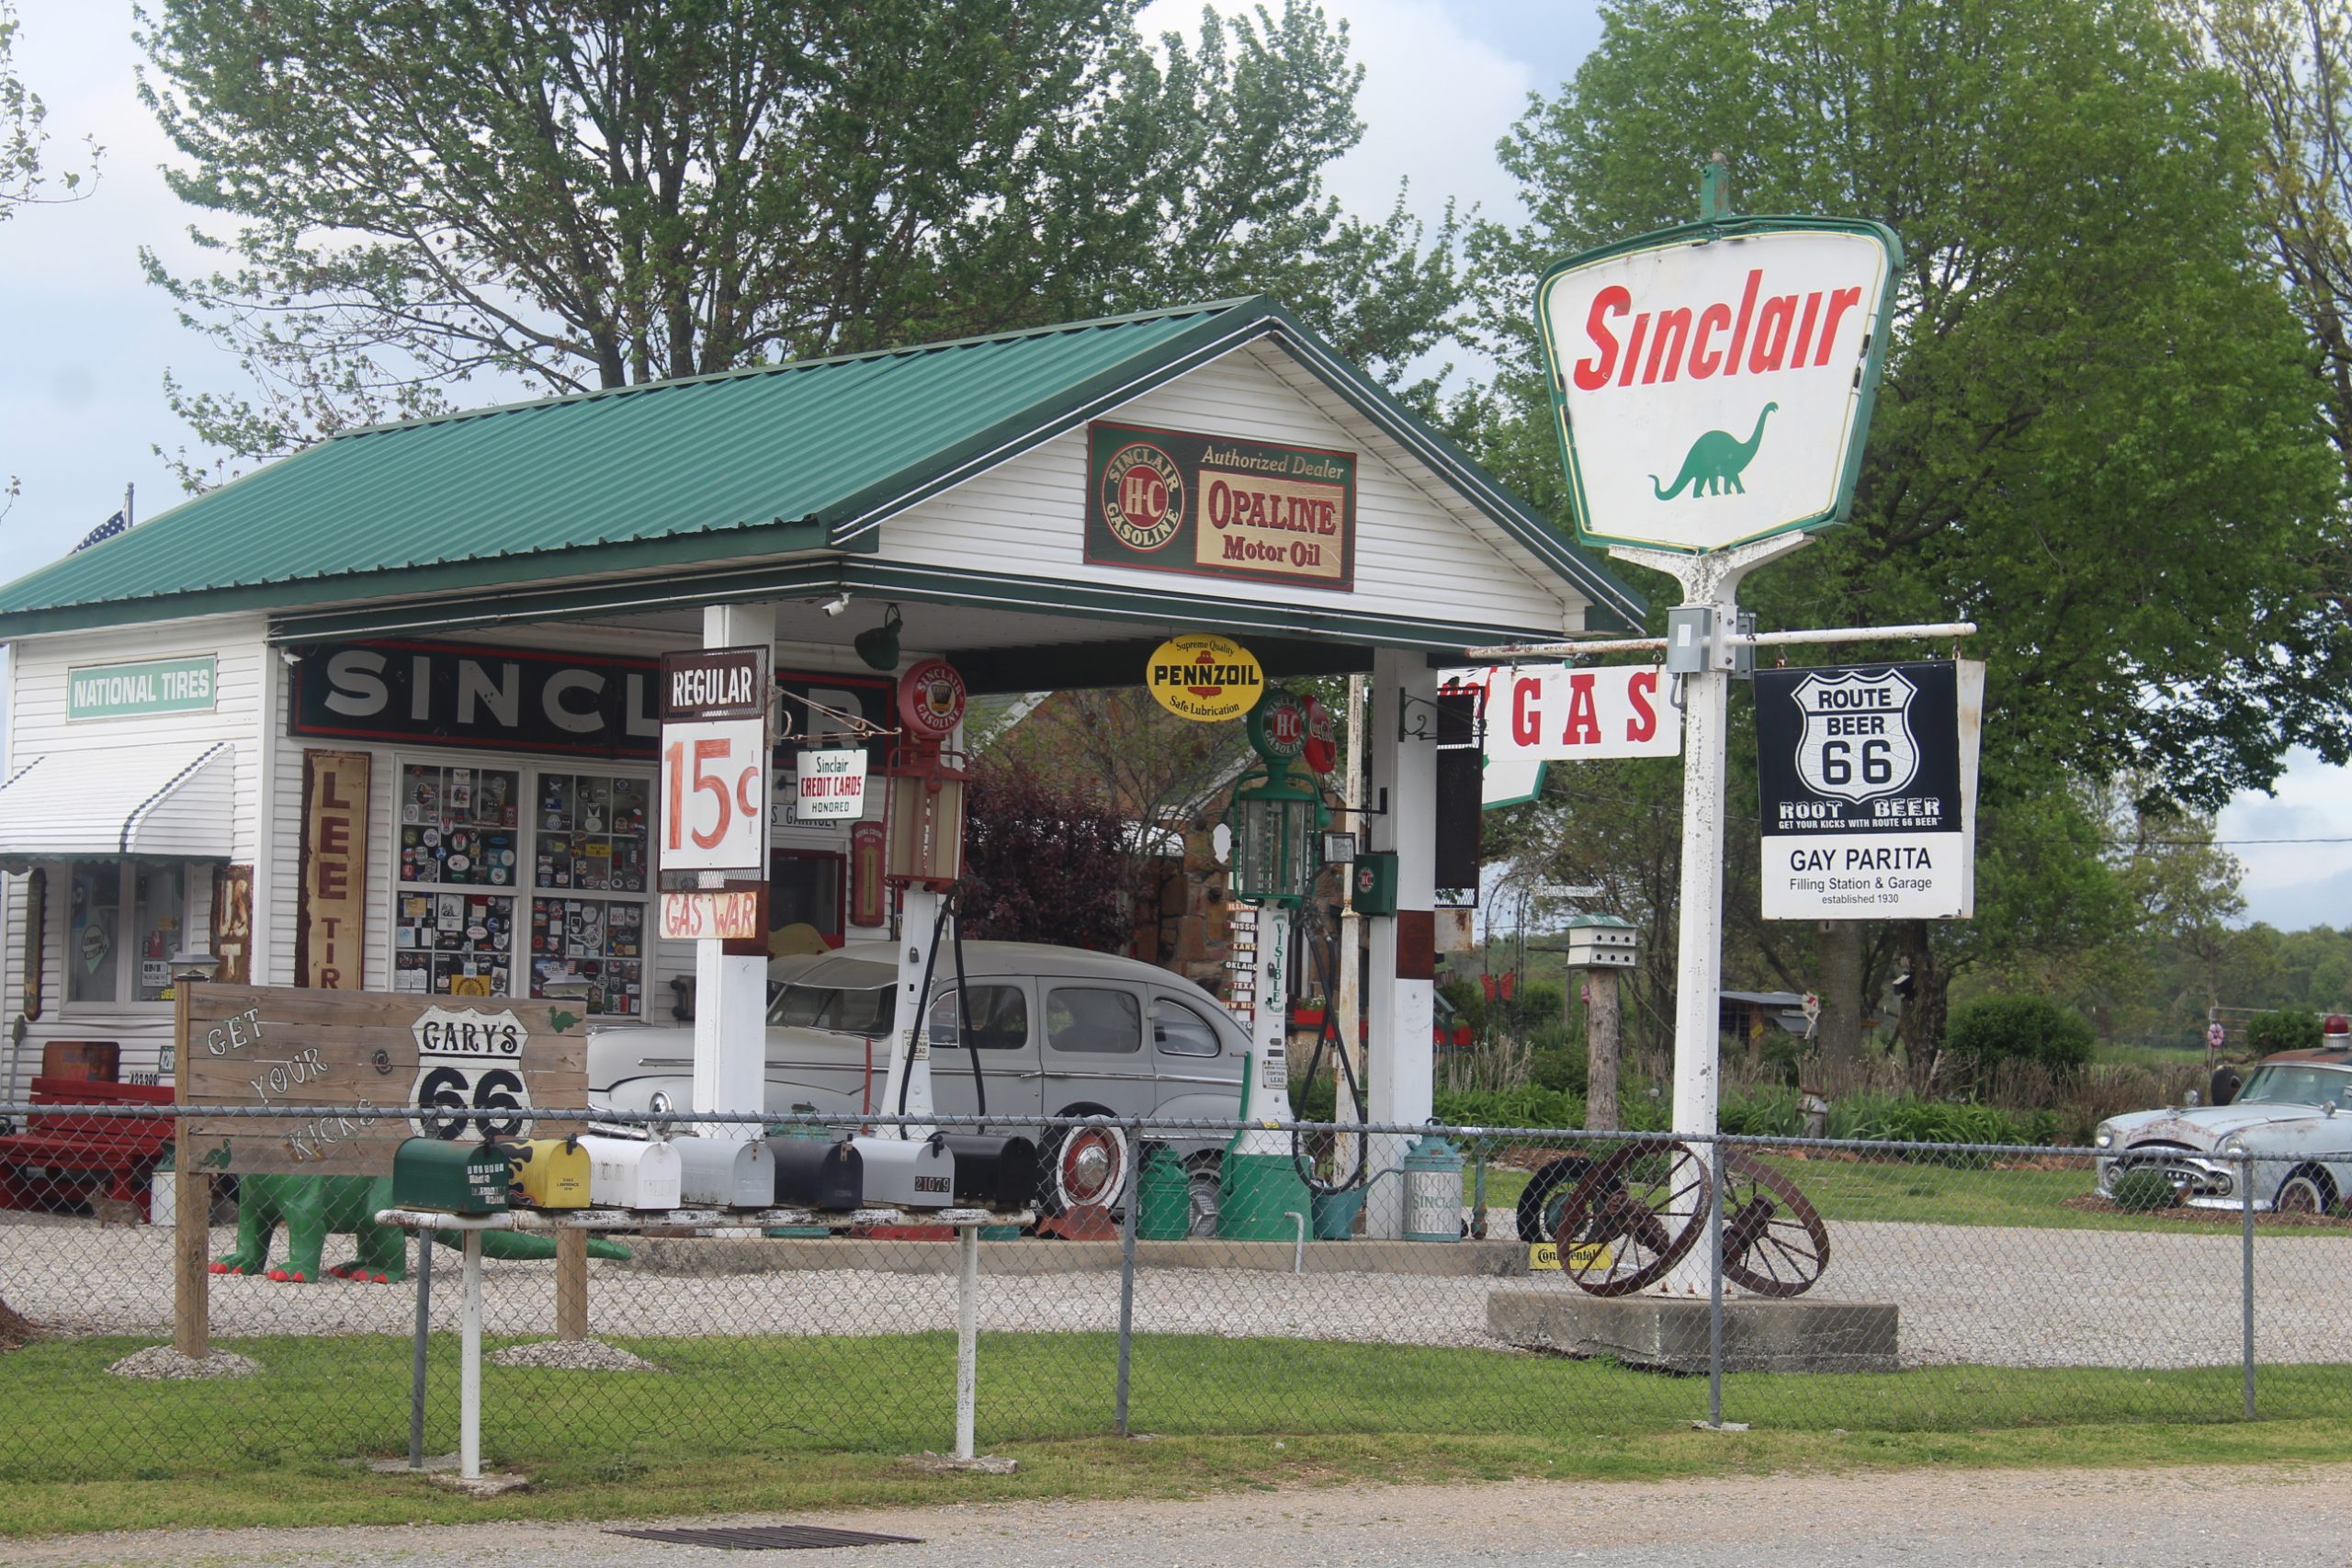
1868, 777
1712, 383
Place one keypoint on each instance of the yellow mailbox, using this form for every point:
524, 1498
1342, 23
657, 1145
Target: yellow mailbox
553, 1173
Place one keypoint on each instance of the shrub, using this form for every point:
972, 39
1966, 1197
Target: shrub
1765, 1111
2140, 1190
1995, 1030
2289, 1029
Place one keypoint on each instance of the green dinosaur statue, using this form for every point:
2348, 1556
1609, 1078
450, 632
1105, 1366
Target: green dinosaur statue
313, 1206
1715, 463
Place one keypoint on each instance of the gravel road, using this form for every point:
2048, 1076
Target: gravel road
2177, 1519
1969, 1294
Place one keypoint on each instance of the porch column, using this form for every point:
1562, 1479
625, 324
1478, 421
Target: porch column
731, 992
1398, 1001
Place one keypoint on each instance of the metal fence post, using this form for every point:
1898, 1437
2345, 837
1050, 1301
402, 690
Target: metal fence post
1715, 1287
1127, 1278
2245, 1293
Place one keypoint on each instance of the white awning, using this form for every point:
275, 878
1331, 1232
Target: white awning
173, 801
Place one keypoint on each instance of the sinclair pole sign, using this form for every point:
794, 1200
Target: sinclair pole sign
1711, 383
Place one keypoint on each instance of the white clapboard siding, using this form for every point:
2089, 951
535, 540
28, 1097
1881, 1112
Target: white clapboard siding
1421, 551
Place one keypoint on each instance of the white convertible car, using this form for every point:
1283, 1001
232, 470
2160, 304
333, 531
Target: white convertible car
2293, 1114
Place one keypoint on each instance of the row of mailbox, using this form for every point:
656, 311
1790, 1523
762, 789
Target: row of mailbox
944, 1169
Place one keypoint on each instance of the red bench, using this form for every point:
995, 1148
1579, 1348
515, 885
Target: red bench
70, 1157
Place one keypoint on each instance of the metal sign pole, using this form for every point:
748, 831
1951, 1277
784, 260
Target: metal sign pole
470, 1359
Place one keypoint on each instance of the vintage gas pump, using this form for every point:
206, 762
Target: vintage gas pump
1275, 820
922, 855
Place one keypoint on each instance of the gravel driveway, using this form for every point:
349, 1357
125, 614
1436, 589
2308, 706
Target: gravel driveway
1969, 1294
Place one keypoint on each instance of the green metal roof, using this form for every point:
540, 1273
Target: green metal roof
667, 476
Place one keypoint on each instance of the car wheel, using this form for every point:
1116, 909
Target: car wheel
2307, 1190
1086, 1164
1547, 1194
1204, 1181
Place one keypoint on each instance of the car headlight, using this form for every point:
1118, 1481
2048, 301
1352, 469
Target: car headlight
2104, 1139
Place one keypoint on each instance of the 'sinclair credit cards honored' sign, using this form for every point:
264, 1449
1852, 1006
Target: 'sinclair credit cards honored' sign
1217, 506
1868, 777
830, 785
155, 685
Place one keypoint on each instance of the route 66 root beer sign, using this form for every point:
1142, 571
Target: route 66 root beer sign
344, 1057
1220, 506
1712, 383
1868, 775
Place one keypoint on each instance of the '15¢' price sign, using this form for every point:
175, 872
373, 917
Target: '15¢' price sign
714, 801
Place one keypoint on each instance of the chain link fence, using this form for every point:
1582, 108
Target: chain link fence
1235, 1279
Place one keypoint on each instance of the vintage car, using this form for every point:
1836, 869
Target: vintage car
1061, 1032
2293, 1114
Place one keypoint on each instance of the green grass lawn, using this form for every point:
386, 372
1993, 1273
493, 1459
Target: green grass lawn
784, 1423
1958, 1194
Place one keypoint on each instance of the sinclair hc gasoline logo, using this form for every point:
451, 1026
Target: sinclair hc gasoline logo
1856, 742
1143, 496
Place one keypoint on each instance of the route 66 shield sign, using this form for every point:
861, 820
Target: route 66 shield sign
1856, 741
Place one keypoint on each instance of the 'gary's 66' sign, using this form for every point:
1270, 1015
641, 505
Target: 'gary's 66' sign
469, 1063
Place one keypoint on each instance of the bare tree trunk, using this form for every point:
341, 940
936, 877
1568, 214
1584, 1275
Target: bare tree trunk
1923, 1011
1840, 1040
1601, 1024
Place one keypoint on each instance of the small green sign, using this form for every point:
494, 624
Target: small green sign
124, 691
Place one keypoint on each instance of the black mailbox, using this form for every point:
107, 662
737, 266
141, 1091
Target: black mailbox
993, 1172
812, 1173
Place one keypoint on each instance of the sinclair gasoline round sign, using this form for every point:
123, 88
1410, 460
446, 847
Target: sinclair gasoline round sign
1205, 677
1143, 496
1712, 383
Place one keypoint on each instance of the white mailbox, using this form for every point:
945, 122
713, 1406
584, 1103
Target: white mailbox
1602, 942
624, 1173
917, 1174
726, 1173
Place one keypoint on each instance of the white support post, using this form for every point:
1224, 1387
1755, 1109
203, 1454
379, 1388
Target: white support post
1348, 993
732, 991
468, 1359
1712, 580
1400, 995
910, 1050
968, 1336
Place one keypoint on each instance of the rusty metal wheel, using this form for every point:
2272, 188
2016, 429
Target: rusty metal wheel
1633, 1216
1774, 1242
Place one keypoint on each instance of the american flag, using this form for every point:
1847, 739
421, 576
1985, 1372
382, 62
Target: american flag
106, 530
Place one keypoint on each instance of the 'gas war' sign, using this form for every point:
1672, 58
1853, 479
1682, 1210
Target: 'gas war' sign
1868, 776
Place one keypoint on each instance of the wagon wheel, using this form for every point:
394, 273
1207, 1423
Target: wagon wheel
1774, 1242
1633, 1217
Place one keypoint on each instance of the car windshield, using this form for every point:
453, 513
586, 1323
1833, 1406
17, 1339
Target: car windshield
843, 1010
2296, 1083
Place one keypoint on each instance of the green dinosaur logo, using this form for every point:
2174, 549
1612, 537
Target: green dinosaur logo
562, 1019
1715, 463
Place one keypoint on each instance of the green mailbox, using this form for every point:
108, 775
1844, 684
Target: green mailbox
1375, 889
456, 1178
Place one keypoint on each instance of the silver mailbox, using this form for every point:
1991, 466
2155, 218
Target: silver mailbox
726, 1173
624, 1173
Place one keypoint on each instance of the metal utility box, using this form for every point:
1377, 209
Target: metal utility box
455, 1179
907, 1174
1602, 942
816, 1173
993, 1172
552, 1173
625, 1174
1375, 883
730, 1173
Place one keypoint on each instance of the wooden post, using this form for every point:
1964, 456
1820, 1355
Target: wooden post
1601, 1022
192, 1199
571, 1284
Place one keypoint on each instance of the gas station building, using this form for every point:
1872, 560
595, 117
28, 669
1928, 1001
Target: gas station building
383, 715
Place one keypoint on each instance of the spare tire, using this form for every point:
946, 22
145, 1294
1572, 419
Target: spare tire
1546, 1193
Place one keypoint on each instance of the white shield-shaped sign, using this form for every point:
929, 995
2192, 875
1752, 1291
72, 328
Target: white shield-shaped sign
1856, 742
470, 1066
1713, 382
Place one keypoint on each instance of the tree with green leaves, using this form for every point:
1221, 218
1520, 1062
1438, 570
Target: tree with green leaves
414, 192
2096, 437
25, 174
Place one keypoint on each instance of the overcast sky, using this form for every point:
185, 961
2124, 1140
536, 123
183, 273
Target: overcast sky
87, 341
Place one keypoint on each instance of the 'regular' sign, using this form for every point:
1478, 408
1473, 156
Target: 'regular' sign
1868, 780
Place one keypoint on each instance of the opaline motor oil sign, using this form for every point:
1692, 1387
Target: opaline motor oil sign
1216, 506
1867, 775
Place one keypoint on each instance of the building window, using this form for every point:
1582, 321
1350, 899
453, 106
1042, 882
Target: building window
594, 840
805, 890
459, 833
113, 958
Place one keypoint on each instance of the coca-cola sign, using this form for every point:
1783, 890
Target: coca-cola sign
1713, 382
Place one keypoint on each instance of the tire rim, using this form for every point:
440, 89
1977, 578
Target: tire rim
1091, 1166
2298, 1195
1201, 1195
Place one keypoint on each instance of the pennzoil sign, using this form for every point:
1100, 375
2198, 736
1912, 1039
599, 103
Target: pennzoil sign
1217, 506
1205, 677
